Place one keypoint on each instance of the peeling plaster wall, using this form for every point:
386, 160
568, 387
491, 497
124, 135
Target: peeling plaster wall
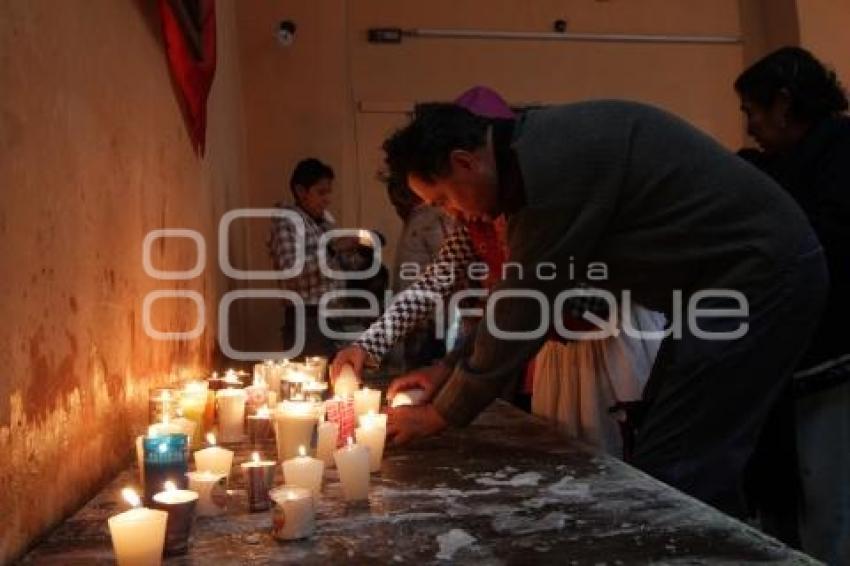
93, 155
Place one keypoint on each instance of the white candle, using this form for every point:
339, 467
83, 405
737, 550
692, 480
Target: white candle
372, 434
352, 461
304, 471
295, 422
346, 382
294, 513
326, 443
214, 459
212, 494
231, 414
138, 535
367, 400
409, 397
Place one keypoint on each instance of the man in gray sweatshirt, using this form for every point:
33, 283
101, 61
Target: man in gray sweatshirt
672, 221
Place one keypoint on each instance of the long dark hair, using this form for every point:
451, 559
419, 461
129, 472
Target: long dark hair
814, 89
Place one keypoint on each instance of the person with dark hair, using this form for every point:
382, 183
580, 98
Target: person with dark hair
796, 111
311, 185
644, 194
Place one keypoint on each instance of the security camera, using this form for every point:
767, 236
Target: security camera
286, 32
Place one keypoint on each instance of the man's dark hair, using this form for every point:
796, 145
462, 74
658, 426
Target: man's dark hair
423, 146
814, 89
308, 172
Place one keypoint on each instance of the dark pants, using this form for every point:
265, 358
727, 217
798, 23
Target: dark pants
706, 401
315, 343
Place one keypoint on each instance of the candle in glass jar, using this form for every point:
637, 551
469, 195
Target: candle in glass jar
304, 471
256, 396
295, 423
212, 492
138, 535
372, 434
260, 479
162, 404
166, 458
180, 506
260, 426
346, 382
367, 400
294, 514
314, 391
352, 461
328, 432
214, 459
231, 414
193, 404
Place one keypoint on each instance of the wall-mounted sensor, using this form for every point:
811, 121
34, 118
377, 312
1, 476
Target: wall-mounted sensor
286, 33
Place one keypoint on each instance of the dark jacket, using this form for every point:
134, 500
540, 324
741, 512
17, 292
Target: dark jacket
817, 174
662, 204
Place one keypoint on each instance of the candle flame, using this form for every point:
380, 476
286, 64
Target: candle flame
302, 451
211, 439
170, 486
130, 496
255, 456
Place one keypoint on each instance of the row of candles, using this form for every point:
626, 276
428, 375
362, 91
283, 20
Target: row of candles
299, 420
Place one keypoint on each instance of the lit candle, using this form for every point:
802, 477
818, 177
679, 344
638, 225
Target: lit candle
367, 400
260, 479
315, 367
193, 404
294, 513
327, 442
180, 506
166, 459
162, 404
211, 490
138, 535
294, 382
352, 461
346, 382
231, 380
214, 459
295, 422
231, 414
260, 425
256, 396
314, 391
304, 471
372, 434
409, 397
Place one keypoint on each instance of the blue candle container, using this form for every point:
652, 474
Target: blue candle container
166, 459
